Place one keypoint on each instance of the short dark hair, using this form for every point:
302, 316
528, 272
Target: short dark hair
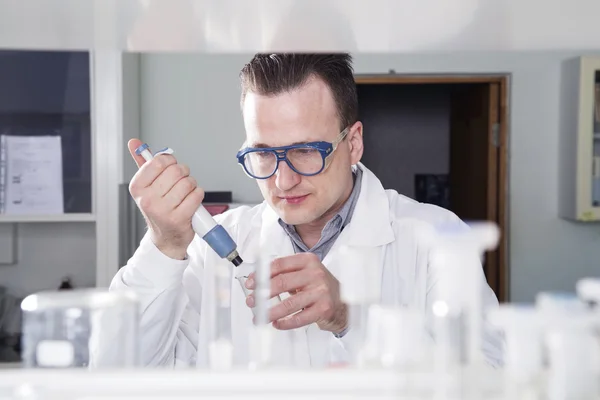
272, 74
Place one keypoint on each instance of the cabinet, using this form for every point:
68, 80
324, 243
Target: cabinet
77, 95
47, 93
580, 140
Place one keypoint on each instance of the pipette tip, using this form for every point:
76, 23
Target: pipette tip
237, 261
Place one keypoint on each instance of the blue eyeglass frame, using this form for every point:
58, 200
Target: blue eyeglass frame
325, 149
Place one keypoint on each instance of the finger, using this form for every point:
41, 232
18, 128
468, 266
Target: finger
190, 204
294, 263
132, 145
290, 281
179, 192
303, 318
286, 282
151, 170
250, 300
169, 178
293, 304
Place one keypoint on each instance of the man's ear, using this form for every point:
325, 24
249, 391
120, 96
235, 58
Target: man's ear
355, 140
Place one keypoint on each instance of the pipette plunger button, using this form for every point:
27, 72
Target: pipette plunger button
139, 150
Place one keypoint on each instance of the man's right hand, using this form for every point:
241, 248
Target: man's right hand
167, 196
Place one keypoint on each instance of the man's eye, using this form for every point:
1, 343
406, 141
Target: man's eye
305, 151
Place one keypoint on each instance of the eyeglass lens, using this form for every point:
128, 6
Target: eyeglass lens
263, 163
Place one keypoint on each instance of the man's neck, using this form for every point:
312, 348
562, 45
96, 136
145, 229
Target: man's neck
311, 233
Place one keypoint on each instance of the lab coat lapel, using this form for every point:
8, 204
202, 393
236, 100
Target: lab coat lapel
370, 224
274, 242
369, 231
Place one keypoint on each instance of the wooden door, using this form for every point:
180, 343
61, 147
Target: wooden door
474, 163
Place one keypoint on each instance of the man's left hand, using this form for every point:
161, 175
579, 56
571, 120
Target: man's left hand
314, 292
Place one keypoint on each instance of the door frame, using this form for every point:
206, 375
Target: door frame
503, 81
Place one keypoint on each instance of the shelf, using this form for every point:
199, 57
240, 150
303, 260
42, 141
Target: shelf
597, 136
11, 365
47, 218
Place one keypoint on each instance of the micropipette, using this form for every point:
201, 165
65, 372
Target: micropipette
205, 226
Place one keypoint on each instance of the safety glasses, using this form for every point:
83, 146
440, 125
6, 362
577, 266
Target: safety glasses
306, 159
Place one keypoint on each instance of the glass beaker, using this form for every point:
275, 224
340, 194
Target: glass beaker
80, 328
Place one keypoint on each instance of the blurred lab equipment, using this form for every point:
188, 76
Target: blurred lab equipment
457, 249
572, 350
573, 357
261, 334
203, 223
221, 347
551, 349
360, 291
523, 365
80, 328
588, 290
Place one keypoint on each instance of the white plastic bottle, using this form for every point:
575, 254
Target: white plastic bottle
573, 352
523, 364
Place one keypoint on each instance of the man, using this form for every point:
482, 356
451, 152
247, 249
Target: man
303, 146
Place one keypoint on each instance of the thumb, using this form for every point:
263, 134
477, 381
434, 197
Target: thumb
133, 144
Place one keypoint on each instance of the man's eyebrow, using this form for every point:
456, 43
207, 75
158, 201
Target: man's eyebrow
263, 145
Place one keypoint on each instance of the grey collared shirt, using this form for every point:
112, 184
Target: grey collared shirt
332, 229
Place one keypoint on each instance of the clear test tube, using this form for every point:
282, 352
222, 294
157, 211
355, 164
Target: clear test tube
242, 279
360, 291
81, 328
221, 347
261, 335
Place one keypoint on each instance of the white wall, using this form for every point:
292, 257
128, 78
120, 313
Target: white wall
47, 252
190, 102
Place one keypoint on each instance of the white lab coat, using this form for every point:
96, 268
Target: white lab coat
177, 296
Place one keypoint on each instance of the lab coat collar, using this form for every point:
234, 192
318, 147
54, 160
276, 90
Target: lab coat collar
370, 225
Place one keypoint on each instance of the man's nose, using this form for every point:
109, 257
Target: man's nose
285, 177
